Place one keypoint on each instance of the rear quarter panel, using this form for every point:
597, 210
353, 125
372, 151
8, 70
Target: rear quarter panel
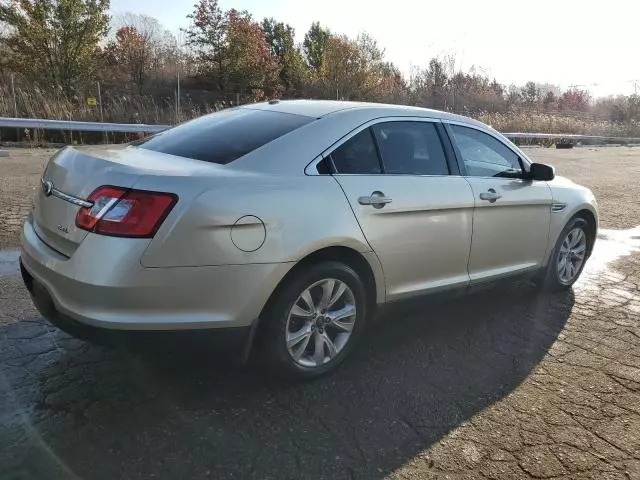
295, 215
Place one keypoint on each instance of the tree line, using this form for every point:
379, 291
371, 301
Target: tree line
66, 45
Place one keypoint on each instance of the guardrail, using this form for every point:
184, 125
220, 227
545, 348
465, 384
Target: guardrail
570, 136
31, 123
140, 127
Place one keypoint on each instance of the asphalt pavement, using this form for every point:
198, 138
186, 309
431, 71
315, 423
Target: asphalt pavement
509, 383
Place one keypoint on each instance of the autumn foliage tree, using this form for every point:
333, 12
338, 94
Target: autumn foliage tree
249, 62
574, 99
356, 70
129, 53
232, 48
207, 37
280, 38
315, 43
229, 56
54, 42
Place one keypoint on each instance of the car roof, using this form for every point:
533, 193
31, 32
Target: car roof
322, 108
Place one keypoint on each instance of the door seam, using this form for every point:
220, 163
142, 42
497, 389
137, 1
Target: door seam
346, 198
473, 224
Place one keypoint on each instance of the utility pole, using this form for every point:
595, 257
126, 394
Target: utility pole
13, 93
105, 135
100, 103
15, 107
178, 92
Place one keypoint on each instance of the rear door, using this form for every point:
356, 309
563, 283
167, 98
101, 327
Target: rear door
512, 215
414, 212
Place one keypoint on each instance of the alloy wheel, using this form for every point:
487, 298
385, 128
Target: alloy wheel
320, 322
572, 255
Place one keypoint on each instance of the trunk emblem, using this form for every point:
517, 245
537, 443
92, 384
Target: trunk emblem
63, 229
47, 188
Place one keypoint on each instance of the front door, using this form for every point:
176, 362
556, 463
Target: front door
415, 215
511, 216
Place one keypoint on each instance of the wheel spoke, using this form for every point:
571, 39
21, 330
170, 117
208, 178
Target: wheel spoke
571, 270
330, 345
318, 353
344, 326
562, 269
577, 238
336, 296
300, 312
579, 248
293, 338
327, 291
342, 319
306, 297
298, 341
345, 312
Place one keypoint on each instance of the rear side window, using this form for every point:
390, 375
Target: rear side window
357, 155
225, 136
411, 148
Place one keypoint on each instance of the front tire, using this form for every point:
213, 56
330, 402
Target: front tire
314, 321
569, 256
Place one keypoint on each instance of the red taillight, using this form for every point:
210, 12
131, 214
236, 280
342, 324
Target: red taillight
121, 212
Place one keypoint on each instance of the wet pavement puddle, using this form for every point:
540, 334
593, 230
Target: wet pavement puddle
612, 245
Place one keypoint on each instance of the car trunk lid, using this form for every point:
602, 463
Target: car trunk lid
75, 173
70, 177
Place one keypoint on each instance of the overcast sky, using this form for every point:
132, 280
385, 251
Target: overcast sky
563, 42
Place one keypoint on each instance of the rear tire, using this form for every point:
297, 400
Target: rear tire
569, 256
314, 321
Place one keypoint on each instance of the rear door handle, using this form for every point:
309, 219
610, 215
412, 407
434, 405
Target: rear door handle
376, 200
491, 195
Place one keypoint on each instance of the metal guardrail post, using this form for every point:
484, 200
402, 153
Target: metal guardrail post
80, 126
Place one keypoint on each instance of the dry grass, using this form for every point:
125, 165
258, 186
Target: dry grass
117, 106
160, 109
553, 123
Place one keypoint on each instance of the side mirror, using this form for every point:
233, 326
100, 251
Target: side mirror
541, 171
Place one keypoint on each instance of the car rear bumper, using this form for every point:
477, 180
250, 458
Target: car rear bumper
103, 285
236, 340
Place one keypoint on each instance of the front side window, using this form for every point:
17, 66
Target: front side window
411, 148
357, 155
485, 156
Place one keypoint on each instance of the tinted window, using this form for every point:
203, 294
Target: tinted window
357, 155
411, 148
485, 156
224, 136
323, 168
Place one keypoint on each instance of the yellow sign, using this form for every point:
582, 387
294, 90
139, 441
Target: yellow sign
92, 102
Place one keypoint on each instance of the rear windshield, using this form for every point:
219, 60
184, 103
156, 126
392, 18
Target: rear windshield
224, 136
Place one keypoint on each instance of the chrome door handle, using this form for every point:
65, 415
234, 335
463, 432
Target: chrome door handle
491, 195
376, 200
